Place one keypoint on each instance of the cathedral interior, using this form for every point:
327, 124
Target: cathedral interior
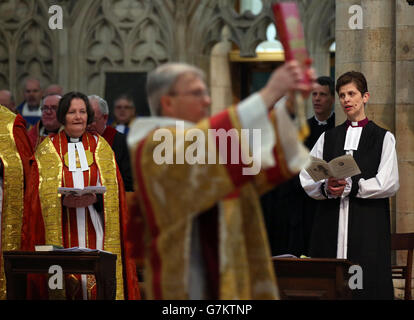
107, 47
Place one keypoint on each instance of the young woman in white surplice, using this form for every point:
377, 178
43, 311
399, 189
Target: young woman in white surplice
352, 220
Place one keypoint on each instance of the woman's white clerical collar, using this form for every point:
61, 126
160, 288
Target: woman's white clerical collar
76, 146
355, 124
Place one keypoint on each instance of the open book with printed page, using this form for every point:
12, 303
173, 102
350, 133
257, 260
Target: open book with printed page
341, 167
80, 192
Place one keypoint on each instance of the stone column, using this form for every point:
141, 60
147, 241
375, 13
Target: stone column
220, 75
348, 53
384, 51
369, 50
404, 104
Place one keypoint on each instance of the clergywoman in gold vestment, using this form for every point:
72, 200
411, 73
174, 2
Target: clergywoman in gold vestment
75, 158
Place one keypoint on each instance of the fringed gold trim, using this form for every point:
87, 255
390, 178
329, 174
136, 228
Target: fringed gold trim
13, 191
105, 161
50, 179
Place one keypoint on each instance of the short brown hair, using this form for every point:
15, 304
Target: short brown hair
355, 77
64, 105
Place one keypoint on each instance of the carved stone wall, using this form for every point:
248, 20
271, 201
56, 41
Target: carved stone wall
383, 50
130, 36
26, 43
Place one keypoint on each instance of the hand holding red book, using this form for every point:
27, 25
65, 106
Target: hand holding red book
290, 31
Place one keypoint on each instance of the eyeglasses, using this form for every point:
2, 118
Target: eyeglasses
199, 94
49, 109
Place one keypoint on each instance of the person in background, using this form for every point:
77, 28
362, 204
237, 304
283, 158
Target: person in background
323, 100
30, 107
7, 100
287, 209
54, 89
115, 139
352, 220
124, 113
48, 123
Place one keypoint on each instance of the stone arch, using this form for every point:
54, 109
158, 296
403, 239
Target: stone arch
103, 50
34, 44
148, 45
12, 13
320, 33
220, 73
127, 36
4, 61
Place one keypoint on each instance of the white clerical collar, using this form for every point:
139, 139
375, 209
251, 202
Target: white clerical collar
76, 146
121, 128
353, 134
361, 123
31, 113
324, 122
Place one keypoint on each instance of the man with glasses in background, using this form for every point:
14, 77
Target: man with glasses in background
48, 122
116, 140
124, 113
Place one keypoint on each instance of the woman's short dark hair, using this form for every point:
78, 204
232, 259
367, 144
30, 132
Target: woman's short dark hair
64, 105
355, 77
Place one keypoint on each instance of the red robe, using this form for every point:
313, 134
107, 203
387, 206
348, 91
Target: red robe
15, 154
33, 134
109, 134
57, 224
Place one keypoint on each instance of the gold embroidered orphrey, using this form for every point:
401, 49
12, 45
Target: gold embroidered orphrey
13, 191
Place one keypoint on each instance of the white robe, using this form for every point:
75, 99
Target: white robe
78, 182
384, 185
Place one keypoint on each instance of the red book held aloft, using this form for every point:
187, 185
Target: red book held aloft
290, 31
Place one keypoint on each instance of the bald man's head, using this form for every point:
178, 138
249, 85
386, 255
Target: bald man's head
7, 100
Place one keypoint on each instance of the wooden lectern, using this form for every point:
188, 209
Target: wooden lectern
313, 279
17, 264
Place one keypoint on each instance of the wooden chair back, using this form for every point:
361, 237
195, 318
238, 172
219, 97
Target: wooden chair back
404, 241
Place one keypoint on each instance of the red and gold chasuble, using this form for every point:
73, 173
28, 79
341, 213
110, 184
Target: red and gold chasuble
170, 196
60, 223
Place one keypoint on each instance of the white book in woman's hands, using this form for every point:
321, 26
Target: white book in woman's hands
340, 168
80, 192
